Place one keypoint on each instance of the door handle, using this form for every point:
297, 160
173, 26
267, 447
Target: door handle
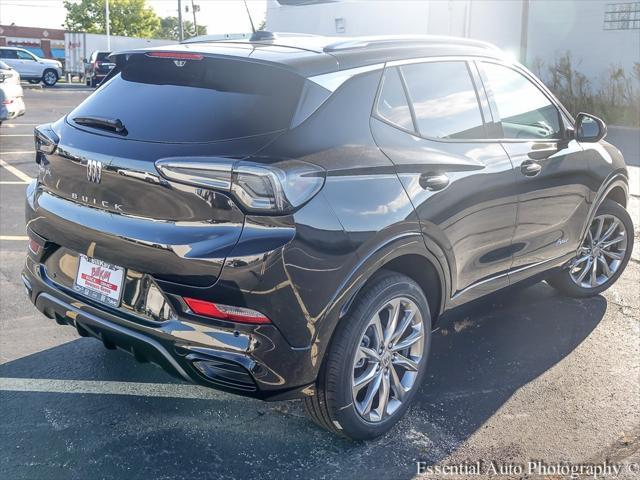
530, 168
434, 181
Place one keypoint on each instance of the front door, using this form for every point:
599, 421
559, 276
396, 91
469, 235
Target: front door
28, 64
550, 170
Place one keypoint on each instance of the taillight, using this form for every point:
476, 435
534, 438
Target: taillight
175, 55
274, 188
225, 312
46, 139
7, 101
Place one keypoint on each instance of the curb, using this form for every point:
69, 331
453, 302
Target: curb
31, 86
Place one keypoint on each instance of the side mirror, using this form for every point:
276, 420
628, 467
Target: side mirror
589, 128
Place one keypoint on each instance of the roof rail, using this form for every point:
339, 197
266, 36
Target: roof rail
402, 40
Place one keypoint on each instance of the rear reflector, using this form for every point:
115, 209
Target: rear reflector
225, 312
176, 55
34, 246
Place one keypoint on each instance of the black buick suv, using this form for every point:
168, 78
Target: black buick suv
288, 217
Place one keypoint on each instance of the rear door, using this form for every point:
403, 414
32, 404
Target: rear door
552, 175
432, 122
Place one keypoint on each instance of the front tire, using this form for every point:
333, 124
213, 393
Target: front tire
376, 360
603, 255
50, 78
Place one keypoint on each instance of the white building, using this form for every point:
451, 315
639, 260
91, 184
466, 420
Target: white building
597, 33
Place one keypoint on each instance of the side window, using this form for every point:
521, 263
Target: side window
525, 111
444, 100
392, 103
24, 55
11, 54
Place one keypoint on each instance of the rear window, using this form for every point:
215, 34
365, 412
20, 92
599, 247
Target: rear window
162, 100
102, 56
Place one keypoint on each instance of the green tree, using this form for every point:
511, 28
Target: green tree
131, 18
169, 29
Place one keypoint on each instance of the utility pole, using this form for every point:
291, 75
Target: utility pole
106, 17
180, 31
194, 9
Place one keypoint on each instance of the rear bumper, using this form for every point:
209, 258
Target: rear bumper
253, 361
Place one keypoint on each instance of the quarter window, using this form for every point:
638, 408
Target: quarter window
392, 103
525, 111
444, 100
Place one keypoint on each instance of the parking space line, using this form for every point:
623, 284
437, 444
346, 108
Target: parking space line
16, 135
21, 175
9, 182
18, 152
165, 390
13, 237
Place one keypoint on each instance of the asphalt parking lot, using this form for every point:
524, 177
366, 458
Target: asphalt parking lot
526, 375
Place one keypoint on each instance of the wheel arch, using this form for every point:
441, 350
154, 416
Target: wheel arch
616, 188
407, 254
618, 195
411, 259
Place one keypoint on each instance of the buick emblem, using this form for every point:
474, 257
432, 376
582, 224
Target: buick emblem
94, 171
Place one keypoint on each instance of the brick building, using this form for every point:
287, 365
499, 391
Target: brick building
44, 42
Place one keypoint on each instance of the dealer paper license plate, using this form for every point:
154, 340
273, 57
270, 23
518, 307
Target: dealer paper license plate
99, 280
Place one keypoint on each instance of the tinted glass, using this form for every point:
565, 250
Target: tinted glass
201, 101
392, 102
444, 100
8, 54
102, 56
525, 111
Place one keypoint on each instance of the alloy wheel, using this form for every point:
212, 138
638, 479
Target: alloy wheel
389, 356
601, 253
50, 78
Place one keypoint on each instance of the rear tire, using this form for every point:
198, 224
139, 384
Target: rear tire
340, 402
613, 249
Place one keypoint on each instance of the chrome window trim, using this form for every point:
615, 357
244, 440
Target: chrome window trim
441, 58
332, 81
505, 63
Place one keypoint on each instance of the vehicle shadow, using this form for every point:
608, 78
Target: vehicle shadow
480, 357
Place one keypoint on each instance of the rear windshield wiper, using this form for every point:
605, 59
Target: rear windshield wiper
112, 124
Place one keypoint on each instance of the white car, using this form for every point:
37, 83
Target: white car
11, 102
31, 67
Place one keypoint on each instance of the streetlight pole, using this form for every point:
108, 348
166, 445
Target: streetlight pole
180, 31
106, 17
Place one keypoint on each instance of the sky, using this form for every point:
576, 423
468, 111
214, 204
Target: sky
220, 16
